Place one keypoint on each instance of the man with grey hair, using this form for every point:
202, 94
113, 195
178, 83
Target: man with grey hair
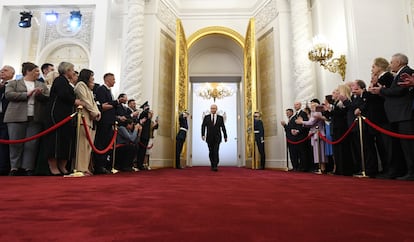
399, 110
6, 74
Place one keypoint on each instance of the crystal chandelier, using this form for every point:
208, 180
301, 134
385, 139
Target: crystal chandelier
214, 91
322, 53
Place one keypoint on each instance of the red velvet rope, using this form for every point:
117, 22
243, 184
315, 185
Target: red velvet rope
88, 136
340, 139
44, 132
387, 132
300, 141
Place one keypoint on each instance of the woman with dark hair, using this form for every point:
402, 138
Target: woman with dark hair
62, 104
83, 91
27, 100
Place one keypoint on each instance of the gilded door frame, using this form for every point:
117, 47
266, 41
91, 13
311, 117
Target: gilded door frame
249, 83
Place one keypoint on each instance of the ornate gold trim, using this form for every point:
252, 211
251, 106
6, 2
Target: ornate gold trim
181, 78
215, 30
250, 104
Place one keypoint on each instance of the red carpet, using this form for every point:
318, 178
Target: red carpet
196, 204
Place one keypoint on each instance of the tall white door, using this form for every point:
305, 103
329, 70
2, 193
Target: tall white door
227, 107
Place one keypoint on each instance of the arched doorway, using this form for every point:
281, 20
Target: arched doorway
215, 60
244, 56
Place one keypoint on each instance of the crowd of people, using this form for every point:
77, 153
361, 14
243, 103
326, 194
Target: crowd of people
380, 149
44, 98
37, 102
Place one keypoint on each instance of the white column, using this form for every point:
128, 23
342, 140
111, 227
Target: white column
133, 51
303, 74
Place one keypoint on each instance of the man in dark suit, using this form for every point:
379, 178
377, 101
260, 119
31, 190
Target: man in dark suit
104, 131
259, 138
399, 109
299, 132
180, 138
294, 159
6, 74
214, 124
46, 68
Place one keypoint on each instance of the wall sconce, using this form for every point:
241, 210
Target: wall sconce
322, 53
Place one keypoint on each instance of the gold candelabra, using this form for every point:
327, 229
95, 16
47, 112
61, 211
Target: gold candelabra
215, 91
322, 53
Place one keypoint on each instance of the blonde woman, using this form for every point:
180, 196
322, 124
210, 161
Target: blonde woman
83, 91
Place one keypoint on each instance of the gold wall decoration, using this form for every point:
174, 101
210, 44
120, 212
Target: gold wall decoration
250, 104
166, 84
215, 30
181, 76
266, 87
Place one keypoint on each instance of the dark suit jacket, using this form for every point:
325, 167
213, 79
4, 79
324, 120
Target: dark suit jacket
62, 99
4, 102
303, 131
398, 100
181, 135
103, 95
213, 130
356, 102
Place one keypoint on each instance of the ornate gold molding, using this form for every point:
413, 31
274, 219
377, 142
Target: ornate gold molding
215, 30
250, 104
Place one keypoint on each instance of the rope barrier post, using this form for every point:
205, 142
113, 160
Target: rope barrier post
361, 142
318, 149
78, 127
287, 155
113, 170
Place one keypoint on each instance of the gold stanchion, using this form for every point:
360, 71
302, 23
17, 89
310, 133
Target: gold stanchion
78, 127
361, 143
318, 147
287, 154
113, 170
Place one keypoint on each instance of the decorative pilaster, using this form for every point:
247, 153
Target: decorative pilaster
305, 83
133, 51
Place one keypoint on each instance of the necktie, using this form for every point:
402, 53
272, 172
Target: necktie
213, 118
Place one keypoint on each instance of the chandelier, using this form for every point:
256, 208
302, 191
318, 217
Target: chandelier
214, 91
322, 53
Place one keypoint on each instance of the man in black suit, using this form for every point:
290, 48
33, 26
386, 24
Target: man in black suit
299, 132
104, 131
293, 153
180, 138
259, 138
399, 109
6, 74
214, 124
46, 68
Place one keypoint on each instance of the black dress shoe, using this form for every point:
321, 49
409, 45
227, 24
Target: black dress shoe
408, 177
29, 173
178, 167
13, 173
387, 176
101, 171
214, 169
